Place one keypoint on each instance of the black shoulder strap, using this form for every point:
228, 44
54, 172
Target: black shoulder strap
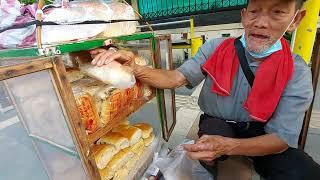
243, 61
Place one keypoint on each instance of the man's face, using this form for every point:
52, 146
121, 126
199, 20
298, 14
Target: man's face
265, 21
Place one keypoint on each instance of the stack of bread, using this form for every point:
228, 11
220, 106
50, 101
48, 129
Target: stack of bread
99, 103
117, 152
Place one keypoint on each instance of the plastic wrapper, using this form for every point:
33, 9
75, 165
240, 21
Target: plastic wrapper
100, 104
87, 110
113, 73
76, 12
13, 13
143, 91
84, 91
113, 103
109, 104
178, 166
74, 75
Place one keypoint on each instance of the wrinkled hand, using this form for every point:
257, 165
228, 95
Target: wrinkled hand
103, 57
209, 148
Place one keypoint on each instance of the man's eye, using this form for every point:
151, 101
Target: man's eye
278, 11
253, 11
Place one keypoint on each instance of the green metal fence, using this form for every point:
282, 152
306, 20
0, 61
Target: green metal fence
160, 9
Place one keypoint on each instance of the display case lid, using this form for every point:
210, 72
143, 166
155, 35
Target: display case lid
57, 49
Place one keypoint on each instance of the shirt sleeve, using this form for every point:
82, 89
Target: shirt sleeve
287, 120
191, 69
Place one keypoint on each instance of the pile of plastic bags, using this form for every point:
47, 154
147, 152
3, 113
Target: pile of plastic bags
65, 14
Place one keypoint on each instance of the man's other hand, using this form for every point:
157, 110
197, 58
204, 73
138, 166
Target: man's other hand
209, 148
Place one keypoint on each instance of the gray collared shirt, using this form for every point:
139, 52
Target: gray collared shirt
286, 121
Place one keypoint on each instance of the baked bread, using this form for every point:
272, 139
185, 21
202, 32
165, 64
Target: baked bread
109, 104
136, 148
132, 133
121, 174
119, 160
89, 85
145, 128
116, 139
88, 112
103, 154
149, 140
106, 174
132, 162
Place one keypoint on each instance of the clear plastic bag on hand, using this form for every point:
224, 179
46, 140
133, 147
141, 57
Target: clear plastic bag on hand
178, 166
113, 73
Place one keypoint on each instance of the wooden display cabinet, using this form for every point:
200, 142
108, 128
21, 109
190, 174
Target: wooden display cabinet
47, 138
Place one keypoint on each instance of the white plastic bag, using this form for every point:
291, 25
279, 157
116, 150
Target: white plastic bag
178, 166
112, 73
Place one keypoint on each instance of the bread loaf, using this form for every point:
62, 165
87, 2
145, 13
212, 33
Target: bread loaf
121, 174
116, 139
106, 174
149, 140
89, 85
84, 91
103, 154
109, 104
145, 128
138, 148
119, 160
87, 109
132, 162
132, 133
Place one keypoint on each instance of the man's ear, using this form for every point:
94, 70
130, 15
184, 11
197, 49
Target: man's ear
297, 20
243, 14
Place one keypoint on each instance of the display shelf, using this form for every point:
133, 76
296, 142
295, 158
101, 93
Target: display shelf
92, 138
57, 49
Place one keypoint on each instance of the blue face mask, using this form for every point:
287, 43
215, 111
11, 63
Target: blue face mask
274, 48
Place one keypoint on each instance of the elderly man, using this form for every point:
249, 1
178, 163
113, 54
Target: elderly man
254, 96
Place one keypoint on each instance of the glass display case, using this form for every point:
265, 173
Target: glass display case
42, 128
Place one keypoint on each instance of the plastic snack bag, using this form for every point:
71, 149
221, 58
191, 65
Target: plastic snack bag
112, 73
178, 166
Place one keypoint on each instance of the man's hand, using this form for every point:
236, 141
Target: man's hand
158, 78
209, 148
102, 57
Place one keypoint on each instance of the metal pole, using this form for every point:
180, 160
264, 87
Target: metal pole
315, 77
165, 23
192, 27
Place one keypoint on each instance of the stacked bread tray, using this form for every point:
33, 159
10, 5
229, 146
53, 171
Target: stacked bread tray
118, 152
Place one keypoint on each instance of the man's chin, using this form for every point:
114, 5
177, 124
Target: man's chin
258, 48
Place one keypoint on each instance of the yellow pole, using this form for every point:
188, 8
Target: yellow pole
192, 27
306, 32
196, 42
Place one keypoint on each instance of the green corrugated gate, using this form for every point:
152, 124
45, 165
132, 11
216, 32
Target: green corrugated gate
157, 9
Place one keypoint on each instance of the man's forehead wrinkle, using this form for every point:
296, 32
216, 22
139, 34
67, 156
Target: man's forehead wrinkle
278, 3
